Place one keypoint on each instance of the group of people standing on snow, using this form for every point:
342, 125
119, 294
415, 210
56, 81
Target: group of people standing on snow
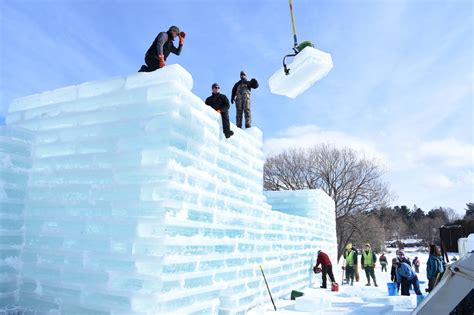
155, 58
403, 272
367, 263
406, 277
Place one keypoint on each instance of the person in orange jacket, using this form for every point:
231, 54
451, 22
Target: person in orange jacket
160, 49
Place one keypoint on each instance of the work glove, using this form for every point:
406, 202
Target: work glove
182, 35
161, 59
218, 110
343, 268
232, 101
253, 83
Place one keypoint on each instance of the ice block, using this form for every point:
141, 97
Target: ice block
307, 67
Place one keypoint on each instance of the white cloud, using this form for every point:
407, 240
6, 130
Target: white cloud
438, 181
447, 152
423, 172
310, 135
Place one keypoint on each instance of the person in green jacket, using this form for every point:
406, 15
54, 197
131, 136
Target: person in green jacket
434, 267
367, 261
350, 255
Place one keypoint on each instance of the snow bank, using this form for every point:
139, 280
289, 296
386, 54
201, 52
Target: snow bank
350, 300
137, 204
466, 245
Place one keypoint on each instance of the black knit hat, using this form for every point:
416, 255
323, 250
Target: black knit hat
174, 28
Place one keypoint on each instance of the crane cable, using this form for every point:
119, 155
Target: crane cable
293, 24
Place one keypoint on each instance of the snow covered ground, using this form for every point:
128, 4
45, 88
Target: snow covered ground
357, 299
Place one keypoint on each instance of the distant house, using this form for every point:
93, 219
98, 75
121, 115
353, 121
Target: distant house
409, 242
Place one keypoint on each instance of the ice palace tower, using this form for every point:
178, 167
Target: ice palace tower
123, 197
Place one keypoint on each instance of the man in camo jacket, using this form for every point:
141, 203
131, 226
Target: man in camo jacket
241, 96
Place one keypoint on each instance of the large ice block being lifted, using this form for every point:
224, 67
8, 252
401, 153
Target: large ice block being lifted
308, 66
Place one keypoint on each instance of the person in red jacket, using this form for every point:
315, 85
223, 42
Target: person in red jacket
326, 267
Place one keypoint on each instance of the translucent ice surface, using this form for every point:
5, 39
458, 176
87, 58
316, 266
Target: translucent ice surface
15, 163
135, 203
308, 67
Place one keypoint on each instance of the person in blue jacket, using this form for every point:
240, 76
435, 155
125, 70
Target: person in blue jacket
405, 272
434, 267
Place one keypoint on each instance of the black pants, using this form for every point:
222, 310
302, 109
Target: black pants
350, 273
431, 283
404, 288
225, 122
369, 273
327, 270
406, 284
151, 64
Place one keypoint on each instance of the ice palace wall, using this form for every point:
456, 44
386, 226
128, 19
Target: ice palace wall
135, 203
15, 162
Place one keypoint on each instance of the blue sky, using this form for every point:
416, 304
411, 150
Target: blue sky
401, 89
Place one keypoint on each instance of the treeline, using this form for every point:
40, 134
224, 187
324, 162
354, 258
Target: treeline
361, 196
401, 222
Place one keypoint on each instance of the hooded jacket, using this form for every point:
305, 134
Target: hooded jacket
433, 266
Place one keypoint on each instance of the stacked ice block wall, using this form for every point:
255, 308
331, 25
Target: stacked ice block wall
15, 162
137, 204
314, 204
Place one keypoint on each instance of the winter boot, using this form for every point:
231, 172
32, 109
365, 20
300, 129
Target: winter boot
229, 134
368, 284
323, 287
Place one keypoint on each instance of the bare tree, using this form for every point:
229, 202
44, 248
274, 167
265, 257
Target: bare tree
373, 232
428, 229
397, 229
452, 215
354, 183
